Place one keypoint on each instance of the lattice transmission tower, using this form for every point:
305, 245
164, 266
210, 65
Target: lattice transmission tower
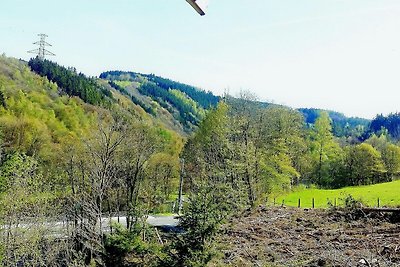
42, 51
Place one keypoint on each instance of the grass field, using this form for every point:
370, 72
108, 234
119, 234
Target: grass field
388, 194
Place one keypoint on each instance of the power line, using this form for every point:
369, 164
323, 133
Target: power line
42, 51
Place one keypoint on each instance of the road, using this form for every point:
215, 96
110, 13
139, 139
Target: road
153, 220
167, 223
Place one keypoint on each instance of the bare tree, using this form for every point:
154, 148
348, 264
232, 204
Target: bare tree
141, 145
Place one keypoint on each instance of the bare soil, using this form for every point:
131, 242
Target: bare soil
305, 237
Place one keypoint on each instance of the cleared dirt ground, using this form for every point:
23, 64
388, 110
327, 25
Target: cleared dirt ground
298, 237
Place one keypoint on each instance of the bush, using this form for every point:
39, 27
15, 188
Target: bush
123, 243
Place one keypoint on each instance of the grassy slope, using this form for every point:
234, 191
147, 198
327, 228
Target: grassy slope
388, 193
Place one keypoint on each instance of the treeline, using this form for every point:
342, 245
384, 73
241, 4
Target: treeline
341, 125
342, 163
273, 147
71, 82
390, 123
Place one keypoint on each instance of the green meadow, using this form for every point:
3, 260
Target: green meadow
388, 194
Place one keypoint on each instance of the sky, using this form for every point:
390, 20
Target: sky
342, 55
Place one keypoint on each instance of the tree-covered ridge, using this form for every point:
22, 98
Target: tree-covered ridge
203, 98
391, 123
71, 82
341, 125
184, 109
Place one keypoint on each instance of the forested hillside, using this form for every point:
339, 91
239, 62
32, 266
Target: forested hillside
389, 124
71, 82
341, 125
157, 95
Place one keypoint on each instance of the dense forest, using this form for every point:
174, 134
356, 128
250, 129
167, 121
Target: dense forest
71, 82
76, 151
185, 103
389, 125
341, 125
203, 98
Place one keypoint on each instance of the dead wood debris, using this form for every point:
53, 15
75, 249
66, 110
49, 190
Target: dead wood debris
295, 237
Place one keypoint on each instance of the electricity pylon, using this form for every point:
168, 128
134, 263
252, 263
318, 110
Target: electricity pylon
41, 51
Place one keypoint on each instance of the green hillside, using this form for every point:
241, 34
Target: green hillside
388, 194
171, 102
45, 117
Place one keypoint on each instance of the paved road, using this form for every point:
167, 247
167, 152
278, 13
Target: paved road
154, 220
169, 223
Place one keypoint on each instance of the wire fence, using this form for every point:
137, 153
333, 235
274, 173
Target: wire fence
316, 202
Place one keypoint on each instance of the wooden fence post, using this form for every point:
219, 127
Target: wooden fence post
299, 204
313, 203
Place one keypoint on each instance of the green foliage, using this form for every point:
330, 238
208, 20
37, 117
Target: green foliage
391, 159
135, 100
283, 143
207, 208
364, 165
341, 125
122, 242
187, 113
185, 103
71, 82
205, 99
207, 152
391, 123
325, 149
18, 170
253, 150
36, 120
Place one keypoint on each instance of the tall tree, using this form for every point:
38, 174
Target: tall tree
142, 144
364, 165
391, 159
324, 148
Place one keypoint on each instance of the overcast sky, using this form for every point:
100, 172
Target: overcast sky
342, 55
